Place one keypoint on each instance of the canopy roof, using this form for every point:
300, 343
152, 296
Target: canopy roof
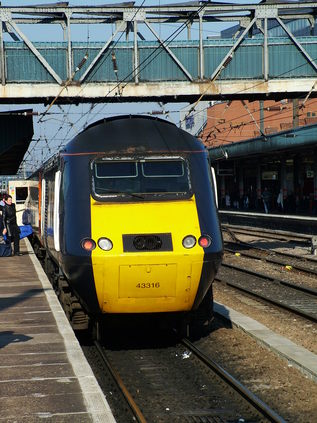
16, 131
294, 139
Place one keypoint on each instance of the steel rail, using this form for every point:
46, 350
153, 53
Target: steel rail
292, 285
262, 296
116, 377
241, 389
294, 256
273, 260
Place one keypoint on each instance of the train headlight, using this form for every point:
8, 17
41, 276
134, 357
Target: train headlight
105, 244
204, 241
189, 241
88, 244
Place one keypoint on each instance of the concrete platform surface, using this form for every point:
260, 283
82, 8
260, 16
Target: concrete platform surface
44, 374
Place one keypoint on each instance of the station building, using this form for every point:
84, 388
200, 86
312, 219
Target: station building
264, 145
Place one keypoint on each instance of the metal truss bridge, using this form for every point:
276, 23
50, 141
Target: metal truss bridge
133, 60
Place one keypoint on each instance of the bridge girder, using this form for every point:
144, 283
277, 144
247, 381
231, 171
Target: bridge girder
167, 92
76, 84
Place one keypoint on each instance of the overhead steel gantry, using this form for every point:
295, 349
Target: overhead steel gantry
150, 66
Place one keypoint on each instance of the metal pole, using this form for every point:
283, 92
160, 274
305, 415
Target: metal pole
2, 59
258, 185
266, 56
189, 27
295, 113
262, 116
136, 58
201, 51
69, 49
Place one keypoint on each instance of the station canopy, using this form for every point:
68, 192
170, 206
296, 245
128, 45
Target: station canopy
291, 140
16, 132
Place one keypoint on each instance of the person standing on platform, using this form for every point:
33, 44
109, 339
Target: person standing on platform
227, 200
10, 224
2, 203
280, 204
266, 197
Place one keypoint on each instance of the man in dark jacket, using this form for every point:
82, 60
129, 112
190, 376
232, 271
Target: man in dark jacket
10, 223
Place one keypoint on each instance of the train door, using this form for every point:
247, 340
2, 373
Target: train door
50, 210
44, 204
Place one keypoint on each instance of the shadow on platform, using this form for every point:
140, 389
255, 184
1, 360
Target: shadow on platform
10, 337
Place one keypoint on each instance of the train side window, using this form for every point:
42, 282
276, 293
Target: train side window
21, 194
34, 193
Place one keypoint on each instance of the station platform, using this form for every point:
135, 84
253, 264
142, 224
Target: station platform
43, 371
305, 225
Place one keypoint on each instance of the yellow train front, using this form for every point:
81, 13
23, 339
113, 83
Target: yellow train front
129, 218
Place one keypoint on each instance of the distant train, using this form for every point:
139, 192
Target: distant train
127, 221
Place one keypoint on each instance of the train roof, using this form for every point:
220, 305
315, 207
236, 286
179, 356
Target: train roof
133, 134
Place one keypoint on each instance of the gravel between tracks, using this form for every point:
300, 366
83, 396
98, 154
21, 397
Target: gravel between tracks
285, 388
295, 328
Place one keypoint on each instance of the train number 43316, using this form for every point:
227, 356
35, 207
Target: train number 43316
148, 285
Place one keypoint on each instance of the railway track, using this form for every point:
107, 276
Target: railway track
298, 263
297, 299
180, 384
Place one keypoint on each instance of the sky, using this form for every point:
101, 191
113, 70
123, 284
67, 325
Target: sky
62, 123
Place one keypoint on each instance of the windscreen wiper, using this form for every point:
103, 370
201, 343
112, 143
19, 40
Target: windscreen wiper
131, 194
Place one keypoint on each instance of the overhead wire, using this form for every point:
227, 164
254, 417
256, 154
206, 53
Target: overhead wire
245, 123
156, 52
139, 69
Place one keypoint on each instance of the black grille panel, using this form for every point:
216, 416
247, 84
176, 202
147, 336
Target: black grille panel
147, 242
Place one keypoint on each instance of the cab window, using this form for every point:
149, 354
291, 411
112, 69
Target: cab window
146, 178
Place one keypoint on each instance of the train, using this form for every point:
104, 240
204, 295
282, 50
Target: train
125, 219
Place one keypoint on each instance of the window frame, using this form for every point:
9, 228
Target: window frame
140, 196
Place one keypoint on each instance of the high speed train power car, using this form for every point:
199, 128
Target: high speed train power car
126, 217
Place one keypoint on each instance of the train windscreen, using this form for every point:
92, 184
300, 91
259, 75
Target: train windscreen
146, 178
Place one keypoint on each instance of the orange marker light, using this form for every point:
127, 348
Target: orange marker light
204, 241
88, 244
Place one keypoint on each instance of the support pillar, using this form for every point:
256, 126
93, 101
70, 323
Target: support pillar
222, 189
136, 54
262, 116
258, 185
201, 47
297, 182
241, 184
315, 184
283, 178
2, 56
295, 113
